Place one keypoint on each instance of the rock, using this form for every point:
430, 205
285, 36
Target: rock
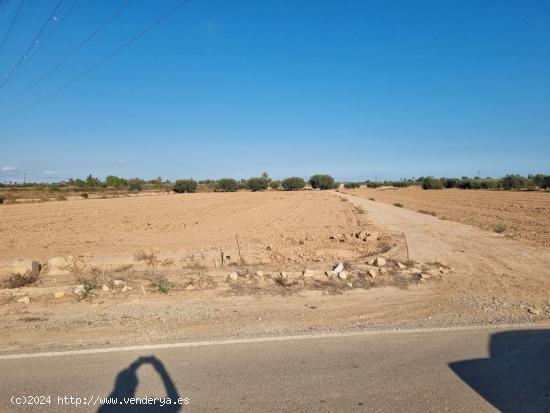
143, 290
190, 287
308, 274
124, 289
383, 271
370, 261
343, 275
259, 273
338, 269
533, 310
24, 300
118, 283
443, 270
401, 266
59, 294
362, 235
233, 276
424, 276
372, 273
379, 261
105, 288
79, 289
350, 285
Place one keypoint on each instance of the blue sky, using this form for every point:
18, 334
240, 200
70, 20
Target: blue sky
357, 89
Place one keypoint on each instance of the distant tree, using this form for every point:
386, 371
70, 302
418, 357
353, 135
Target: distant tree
93, 182
227, 185
275, 184
258, 184
115, 182
450, 182
135, 184
512, 182
185, 185
432, 183
352, 185
546, 182
293, 184
322, 182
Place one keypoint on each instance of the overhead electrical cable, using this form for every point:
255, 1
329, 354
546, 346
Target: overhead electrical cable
29, 47
54, 29
11, 25
104, 59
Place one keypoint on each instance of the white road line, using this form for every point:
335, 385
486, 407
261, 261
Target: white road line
264, 340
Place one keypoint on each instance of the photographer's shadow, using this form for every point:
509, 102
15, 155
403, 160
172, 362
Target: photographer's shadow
516, 377
125, 389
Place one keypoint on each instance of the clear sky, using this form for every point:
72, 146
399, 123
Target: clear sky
358, 89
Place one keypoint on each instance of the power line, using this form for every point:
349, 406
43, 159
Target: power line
105, 59
43, 42
29, 47
72, 53
11, 25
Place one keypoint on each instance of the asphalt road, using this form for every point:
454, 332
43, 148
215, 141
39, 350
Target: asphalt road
478, 370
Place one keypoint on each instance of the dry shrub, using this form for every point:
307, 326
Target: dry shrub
150, 258
18, 280
423, 211
60, 197
75, 265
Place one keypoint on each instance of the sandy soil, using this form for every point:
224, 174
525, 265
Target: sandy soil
493, 280
525, 215
295, 226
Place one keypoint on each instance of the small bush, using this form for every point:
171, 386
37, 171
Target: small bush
322, 182
432, 183
135, 184
150, 258
398, 204
352, 185
275, 184
89, 284
61, 197
423, 211
294, 183
84, 195
373, 184
162, 284
227, 185
2, 198
18, 280
185, 186
258, 184
499, 228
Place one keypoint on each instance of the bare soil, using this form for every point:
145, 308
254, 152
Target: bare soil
522, 215
469, 276
294, 226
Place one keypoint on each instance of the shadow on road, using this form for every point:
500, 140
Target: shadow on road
126, 385
516, 377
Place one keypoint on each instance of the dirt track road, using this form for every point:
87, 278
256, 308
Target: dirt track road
483, 262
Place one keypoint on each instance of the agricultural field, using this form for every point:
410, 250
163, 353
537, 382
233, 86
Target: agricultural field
521, 215
285, 226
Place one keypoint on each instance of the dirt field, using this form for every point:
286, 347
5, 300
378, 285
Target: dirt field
293, 226
523, 215
434, 273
